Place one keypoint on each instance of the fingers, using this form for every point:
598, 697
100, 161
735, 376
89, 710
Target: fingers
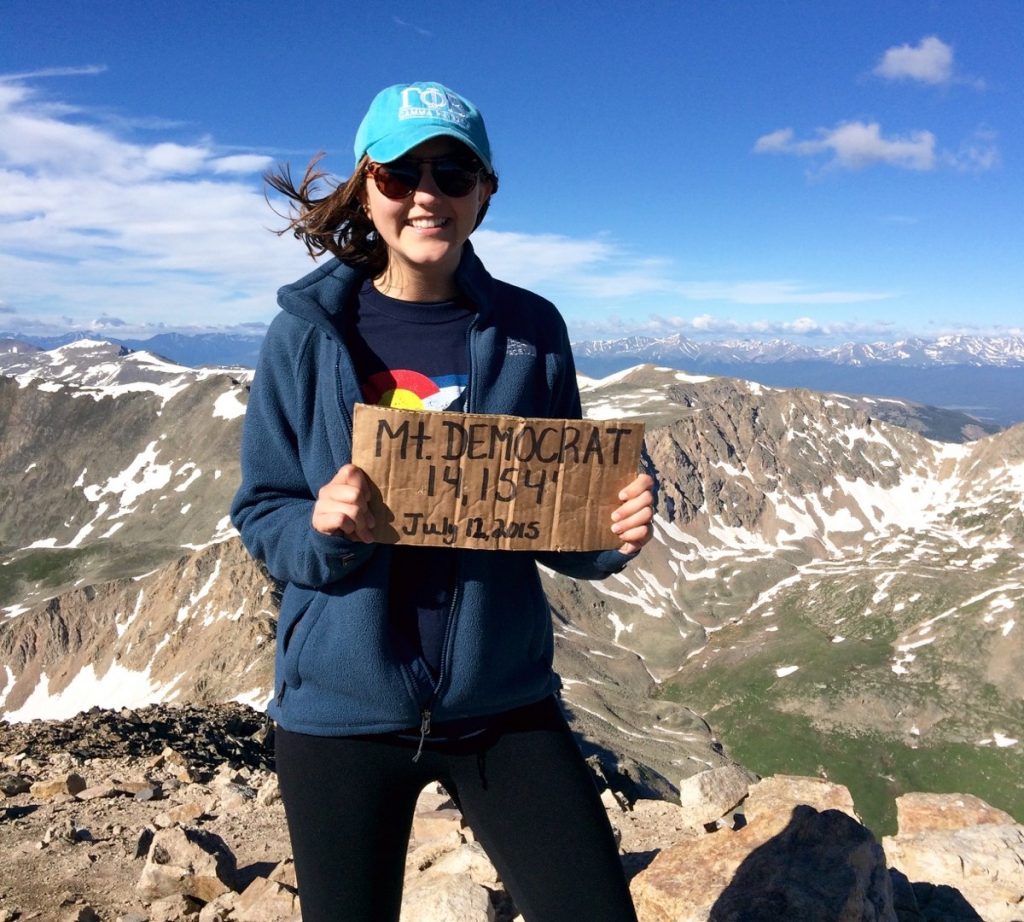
342, 506
641, 484
632, 520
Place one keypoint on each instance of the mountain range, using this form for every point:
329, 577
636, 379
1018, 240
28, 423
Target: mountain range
981, 376
835, 586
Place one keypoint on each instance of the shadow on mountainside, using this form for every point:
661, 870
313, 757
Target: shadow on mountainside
818, 869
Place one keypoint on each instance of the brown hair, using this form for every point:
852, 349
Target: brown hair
337, 222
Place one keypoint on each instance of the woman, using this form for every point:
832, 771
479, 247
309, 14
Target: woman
397, 666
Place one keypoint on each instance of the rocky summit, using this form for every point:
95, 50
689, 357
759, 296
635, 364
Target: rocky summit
173, 814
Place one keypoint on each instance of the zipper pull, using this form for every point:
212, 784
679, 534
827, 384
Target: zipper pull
424, 732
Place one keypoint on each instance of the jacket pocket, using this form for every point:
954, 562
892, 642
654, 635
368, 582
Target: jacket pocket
298, 632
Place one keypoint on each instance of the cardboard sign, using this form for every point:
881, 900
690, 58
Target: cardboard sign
494, 482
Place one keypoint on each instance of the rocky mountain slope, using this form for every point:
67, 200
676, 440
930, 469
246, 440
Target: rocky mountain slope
831, 592
167, 814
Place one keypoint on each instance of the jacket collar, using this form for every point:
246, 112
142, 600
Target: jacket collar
322, 296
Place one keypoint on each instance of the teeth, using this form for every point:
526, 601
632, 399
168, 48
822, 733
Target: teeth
428, 222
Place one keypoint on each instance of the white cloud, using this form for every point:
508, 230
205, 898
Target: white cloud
87, 70
854, 146
529, 259
405, 24
773, 292
95, 225
930, 61
703, 326
975, 155
241, 163
92, 224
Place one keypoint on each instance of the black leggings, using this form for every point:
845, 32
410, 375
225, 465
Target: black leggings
522, 786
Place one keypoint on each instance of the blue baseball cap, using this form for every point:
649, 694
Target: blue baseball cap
407, 114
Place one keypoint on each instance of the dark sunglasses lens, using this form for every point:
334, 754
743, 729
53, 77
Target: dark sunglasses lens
396, 180
454, 179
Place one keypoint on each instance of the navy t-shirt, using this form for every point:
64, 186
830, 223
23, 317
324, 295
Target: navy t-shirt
414, 355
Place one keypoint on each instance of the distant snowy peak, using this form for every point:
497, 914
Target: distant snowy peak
943, 350
104, 369
228, 349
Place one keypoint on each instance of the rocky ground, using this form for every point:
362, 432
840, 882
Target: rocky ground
168, 814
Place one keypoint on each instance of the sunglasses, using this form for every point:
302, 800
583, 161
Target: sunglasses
454, 177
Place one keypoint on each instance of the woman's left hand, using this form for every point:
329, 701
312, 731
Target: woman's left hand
632, 520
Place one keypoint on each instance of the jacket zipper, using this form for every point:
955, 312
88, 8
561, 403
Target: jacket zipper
425, 714
442, 674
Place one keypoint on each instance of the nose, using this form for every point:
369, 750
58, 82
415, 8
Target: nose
426, 186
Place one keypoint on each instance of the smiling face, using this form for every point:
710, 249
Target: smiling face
424, 232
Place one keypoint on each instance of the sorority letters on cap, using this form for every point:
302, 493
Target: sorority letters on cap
494, 482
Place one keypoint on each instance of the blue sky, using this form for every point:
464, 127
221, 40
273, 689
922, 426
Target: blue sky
806, 170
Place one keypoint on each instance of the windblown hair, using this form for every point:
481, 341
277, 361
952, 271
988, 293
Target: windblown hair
337, 223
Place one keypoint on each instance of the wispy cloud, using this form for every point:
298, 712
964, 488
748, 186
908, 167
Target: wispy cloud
84, 71
405, 24
598, 270
978, 153
775, 292
94, 224
930, 61
854, 146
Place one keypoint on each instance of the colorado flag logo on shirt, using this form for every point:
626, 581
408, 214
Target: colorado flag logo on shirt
409, 390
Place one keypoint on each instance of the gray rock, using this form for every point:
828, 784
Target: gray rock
186, 862
710, 795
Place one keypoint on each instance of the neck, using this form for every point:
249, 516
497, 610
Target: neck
406, 290
401, 283
413, 281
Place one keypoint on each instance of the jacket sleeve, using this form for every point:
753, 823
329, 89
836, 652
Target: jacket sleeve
273, 507
565, 397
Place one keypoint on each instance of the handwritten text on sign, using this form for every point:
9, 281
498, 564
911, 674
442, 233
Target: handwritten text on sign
498, 482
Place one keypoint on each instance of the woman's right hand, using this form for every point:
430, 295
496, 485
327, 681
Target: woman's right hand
343, 506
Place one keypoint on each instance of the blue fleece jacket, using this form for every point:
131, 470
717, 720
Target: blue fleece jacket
339, 669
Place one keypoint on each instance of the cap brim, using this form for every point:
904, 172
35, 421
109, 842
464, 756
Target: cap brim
391, 148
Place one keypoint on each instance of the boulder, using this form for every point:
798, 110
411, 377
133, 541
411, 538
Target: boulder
790, 861
933, 812
428, 853
269, 792
470, 859
284, 873
266, 901
11, 785
436, 824
772, 799
710, 795
182, 814
70, 783
447, 898
97, 791
979, 868
218, 910
176, 908
186, 862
